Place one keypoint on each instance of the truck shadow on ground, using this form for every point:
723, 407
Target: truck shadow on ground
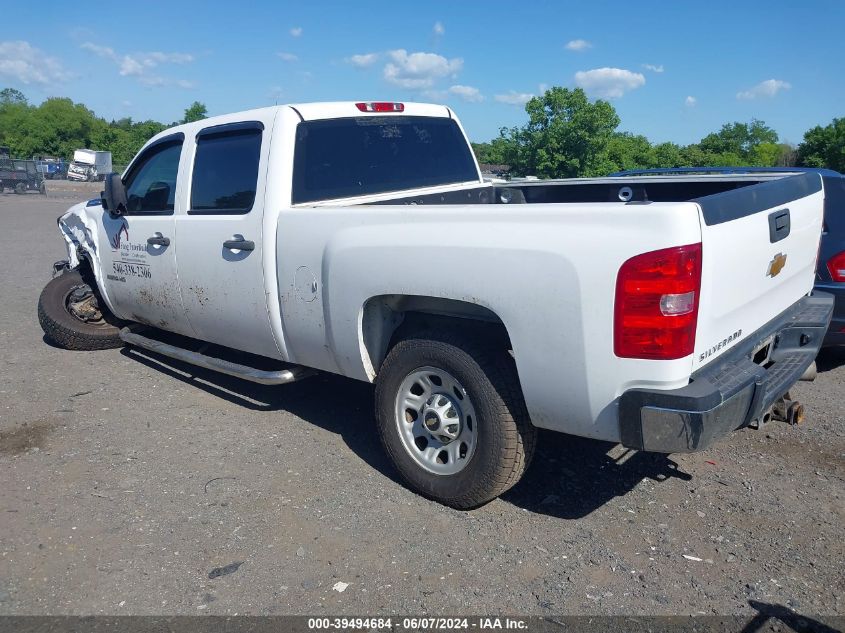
569, 478
770, 615
830, 358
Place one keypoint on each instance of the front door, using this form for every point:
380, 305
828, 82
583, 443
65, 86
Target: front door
137, 249
221, 238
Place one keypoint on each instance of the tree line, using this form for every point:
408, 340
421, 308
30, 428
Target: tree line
58, 126
567, 135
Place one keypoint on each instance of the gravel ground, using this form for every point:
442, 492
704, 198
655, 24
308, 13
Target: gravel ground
72, 190
132, 486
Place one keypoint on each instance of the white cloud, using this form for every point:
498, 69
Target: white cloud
296, 31
654, 68
101, 51
131, 67
768, 88
608, 83
138, 60
418, 71
514, 98
543, 88
169, 58
578, 45
467, 93
140, 65
439, 29
287, 57
362, 61
20, 61
690, 102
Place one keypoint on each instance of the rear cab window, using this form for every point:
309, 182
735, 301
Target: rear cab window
357, 156
225, 175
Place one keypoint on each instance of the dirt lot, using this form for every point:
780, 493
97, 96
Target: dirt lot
72, 191
125, 482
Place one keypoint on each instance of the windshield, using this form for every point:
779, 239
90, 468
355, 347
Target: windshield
341, 158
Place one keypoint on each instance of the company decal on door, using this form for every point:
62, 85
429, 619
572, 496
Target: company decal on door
130, 257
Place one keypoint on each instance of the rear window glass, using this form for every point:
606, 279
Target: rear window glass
341, 158
226, 172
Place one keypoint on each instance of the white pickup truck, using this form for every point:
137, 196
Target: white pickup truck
360, 239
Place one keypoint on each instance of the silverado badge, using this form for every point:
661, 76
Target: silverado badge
776, 265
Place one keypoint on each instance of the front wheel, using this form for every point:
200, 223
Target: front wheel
452, 419
71, 317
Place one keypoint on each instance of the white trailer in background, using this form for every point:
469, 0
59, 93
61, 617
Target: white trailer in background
90, 165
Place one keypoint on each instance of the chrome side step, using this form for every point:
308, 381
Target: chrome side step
278, 377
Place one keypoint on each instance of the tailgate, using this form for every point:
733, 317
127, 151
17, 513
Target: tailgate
759, 246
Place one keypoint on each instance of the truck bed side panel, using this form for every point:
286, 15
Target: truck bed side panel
547, 271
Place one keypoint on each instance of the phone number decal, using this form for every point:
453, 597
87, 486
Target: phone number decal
132, 270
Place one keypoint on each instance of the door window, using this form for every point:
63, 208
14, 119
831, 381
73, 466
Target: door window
151, 184
226, 169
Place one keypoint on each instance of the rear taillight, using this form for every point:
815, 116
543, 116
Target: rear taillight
656, 309
836, 267
380, 106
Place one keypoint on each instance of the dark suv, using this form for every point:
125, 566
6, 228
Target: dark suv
830, 272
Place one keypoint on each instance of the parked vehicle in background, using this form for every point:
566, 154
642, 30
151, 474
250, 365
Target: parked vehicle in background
4, 152
89, 165
20, 175
360, 239
830, 268
51, 168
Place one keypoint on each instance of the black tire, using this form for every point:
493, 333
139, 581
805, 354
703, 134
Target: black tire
64, 329
506, 437
20, 188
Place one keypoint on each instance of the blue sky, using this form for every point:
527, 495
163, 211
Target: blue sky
674, 70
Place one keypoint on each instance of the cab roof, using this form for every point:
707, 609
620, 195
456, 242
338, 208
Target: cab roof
307, 112
342, 109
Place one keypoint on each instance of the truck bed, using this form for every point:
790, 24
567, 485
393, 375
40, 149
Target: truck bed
630, 189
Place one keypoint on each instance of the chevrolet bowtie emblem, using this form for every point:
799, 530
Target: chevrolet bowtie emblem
776, 265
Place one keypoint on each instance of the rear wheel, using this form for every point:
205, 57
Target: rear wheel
452, 419
71, 316
20, 188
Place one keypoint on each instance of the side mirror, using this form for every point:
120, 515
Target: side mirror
113, 197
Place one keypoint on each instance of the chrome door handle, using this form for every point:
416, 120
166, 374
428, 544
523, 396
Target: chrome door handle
158, 240
239, 245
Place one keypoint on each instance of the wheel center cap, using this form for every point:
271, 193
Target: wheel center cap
441, 417
432, 421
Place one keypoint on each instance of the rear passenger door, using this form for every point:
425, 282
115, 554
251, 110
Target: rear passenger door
221, 238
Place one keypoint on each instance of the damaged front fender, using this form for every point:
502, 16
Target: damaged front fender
80, 229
